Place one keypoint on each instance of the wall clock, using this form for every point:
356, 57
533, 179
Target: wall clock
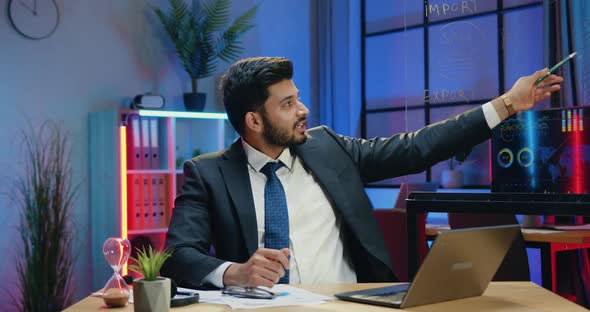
34, 19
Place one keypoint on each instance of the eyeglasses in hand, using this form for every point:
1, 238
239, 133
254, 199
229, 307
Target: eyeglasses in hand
248, 292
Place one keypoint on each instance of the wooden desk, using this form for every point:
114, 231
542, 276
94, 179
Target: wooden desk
511, 203
500, 296
550, 242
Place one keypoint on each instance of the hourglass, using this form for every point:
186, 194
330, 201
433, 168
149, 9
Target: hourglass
116, 251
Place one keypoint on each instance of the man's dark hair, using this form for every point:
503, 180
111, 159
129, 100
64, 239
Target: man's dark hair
245, 85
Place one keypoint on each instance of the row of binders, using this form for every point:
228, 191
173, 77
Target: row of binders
143, 142
149, 201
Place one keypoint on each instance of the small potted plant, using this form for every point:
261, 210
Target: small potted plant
201, 36
152, 292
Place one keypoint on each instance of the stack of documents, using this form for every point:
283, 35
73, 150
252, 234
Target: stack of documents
288, 296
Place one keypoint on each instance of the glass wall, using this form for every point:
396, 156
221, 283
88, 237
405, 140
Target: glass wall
426, 61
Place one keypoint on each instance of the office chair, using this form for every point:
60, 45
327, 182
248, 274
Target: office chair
515, 266
395, 231
394, 227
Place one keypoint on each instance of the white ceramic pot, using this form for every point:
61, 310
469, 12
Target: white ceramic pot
151, 296
451, 179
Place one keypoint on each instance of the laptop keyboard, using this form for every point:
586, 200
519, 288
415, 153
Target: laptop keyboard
395, 297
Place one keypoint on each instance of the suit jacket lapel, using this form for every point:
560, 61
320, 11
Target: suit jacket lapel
234, 169
327, 175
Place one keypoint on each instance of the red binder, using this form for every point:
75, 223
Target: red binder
147, 203
134, 202
159, 194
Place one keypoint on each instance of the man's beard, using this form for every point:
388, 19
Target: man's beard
280, 136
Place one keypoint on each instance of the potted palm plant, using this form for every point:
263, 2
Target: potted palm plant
201, 36
152, 292
45, 195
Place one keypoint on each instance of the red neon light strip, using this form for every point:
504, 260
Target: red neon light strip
578, 187
123, 190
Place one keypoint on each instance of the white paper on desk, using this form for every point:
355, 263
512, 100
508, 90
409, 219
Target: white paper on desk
294, 297
206, 296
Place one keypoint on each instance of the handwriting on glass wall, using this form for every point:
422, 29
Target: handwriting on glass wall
442, 9
460, 40
458, 58
434, 96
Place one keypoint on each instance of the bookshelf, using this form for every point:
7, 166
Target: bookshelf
136, 161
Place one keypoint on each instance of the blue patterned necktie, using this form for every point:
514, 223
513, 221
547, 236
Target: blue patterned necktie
276, 215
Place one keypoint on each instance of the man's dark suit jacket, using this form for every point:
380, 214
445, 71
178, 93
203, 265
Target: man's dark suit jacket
216, 204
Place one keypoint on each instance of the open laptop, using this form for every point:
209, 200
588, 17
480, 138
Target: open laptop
460, 264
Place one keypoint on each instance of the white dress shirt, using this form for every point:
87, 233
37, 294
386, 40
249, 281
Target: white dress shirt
315, 243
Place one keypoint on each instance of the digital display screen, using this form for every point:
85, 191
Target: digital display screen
544, 151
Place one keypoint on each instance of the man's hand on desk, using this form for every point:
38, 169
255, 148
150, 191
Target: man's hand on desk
264, 268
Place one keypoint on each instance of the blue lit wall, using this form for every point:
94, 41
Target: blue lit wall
102, 54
